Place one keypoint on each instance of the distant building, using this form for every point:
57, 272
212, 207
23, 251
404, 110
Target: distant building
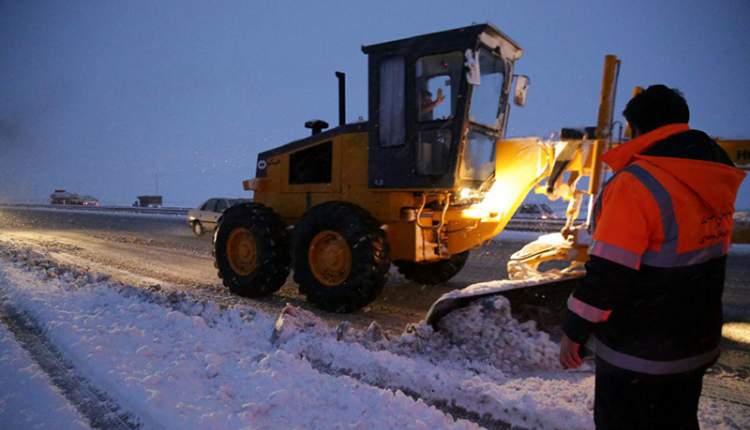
148, 201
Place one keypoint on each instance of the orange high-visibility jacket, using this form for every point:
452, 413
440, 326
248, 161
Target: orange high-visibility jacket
662, 229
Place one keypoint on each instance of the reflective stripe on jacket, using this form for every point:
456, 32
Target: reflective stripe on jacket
662, 228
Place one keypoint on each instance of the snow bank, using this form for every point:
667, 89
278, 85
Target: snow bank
177, 363
481, 363
490, 367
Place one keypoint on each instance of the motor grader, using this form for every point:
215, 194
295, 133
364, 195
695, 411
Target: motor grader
429, 177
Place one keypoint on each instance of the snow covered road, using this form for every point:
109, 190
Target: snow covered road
180, 364
158, 334
172, 361
151, 250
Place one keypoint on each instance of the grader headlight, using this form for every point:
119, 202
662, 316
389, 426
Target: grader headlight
468, 195
497, 202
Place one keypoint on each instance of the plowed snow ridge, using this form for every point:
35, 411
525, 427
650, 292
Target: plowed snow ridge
176, 362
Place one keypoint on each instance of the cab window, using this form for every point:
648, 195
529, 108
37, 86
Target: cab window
437, 76
391, 111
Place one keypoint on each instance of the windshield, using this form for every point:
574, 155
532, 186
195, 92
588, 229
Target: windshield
485, 97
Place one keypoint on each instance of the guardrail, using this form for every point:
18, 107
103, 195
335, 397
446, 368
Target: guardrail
535, 224
519, 224
741, 227
124, 209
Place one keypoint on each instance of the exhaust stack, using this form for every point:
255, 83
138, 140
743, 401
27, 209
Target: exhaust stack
342, 97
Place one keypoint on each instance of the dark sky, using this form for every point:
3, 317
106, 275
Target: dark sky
100, 97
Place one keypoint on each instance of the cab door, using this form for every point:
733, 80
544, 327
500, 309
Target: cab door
418, 103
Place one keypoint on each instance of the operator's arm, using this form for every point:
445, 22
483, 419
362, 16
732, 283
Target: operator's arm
623, 230
428, 105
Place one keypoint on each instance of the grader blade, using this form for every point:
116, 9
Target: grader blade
541, 299
535, 290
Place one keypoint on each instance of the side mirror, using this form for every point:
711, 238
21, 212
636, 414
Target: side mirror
521, 89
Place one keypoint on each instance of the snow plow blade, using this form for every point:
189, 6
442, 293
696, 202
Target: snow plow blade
547, 292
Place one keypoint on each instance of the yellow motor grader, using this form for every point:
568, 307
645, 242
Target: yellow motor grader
429, 177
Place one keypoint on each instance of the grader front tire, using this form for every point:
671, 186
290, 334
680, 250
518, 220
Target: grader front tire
251, 248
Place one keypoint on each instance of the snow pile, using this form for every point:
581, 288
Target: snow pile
483, 337
177, 363
481, 364
293, 320
484, 332
47, 269
440, 369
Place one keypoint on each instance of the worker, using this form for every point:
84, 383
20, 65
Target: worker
651, 297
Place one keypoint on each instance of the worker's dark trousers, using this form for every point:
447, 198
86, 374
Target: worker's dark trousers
629, 400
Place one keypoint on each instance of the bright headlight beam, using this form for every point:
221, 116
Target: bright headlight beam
465, 193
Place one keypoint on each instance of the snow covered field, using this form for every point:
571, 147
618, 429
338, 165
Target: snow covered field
171, 361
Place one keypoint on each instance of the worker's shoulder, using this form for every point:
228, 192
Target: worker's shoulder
627, 184
691, 144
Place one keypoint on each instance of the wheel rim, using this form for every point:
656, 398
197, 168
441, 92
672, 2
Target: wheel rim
197, 228
242, 251
330, 258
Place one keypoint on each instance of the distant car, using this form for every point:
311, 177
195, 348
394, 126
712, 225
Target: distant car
90, 202
204, 217
535, 210
62, 197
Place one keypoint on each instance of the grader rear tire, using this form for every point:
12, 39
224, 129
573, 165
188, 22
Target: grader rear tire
340, 257
251, 248
432, 273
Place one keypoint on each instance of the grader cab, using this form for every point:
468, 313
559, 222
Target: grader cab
426, 179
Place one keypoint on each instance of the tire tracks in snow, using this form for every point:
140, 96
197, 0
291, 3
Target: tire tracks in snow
101, 411
443, 405
97, 405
